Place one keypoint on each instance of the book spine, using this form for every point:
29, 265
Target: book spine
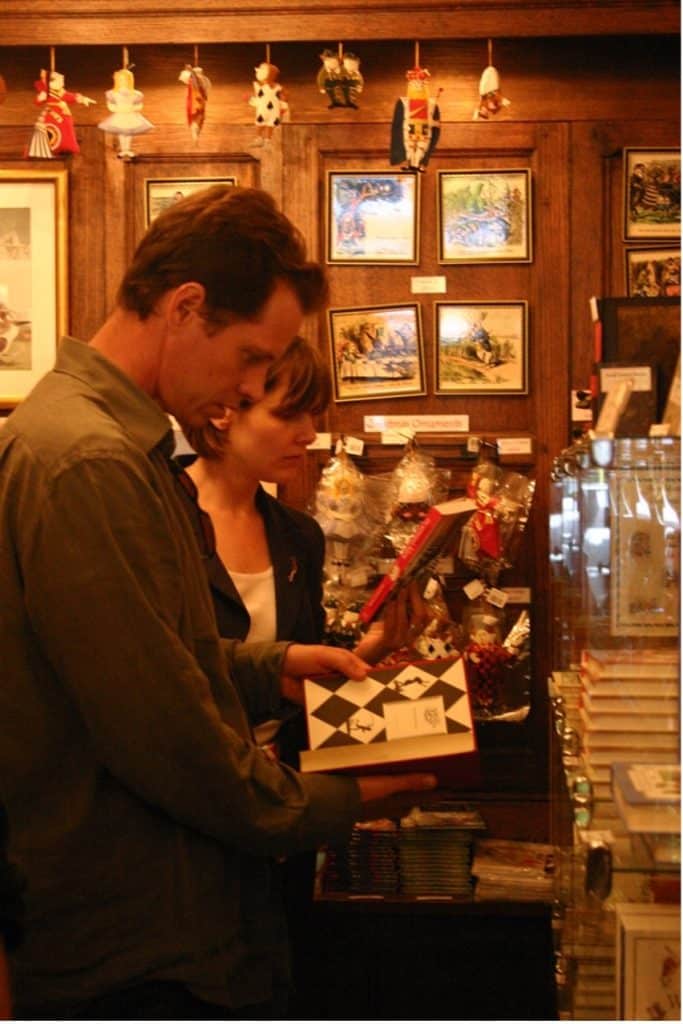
388, 584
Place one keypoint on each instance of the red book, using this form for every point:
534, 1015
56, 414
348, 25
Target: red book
432, 538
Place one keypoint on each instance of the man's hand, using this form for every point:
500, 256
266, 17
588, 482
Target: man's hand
392, 796
304, 660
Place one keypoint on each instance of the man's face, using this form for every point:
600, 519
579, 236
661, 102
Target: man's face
202, 374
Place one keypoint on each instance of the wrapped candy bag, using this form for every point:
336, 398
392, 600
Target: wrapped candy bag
498, 669
490, 539
415, 485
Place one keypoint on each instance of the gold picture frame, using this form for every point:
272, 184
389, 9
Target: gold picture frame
652, 194
482, 348
485, 216
33, 276
372, 217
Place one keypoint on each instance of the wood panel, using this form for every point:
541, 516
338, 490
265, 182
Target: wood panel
161, 21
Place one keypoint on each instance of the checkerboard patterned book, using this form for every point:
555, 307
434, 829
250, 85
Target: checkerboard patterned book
407, 717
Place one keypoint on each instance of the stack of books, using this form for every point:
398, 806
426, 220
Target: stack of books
367, 865
648, 796
629, 709
510, 869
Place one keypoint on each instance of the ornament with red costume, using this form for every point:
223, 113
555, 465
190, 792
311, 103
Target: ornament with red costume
53, 132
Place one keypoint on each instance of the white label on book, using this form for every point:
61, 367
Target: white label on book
425, 424
640, 377
437, 283
422, 717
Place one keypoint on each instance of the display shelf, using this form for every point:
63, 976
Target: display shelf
614, 539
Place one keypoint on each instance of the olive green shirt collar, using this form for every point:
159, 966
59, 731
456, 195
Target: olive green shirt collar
146, 423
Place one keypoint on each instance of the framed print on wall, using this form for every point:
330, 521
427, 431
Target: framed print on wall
160, 193
653, 273
372, 217
652, 193
481, 348
484, 216
33, 276
377, 352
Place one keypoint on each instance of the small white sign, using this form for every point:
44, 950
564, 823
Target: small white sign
498, 598
514, 445
424, 424
354, 445
474, 589
423, 285
640, 377
321, 441
518, 595
422, 717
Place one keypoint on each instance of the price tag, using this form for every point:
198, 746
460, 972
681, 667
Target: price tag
354, 445
474, 589
514, 445
498, 598
321, 441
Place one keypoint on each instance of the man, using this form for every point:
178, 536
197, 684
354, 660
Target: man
141, 813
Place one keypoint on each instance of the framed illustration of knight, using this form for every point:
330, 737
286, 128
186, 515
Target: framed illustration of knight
481, 348
485, 216
372, 217
33, 276
377, 352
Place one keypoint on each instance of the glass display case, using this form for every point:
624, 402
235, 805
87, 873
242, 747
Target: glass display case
614, 693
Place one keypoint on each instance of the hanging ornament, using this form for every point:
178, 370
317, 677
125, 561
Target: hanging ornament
329, 79
352, 79
124, 102
491, 100
415, 128
268, 101
54, 133
198, 85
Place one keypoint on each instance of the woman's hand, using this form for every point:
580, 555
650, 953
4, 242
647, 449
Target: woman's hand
406, 616
304, 660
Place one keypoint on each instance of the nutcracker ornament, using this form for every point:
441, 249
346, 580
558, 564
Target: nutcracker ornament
124, 103
491, 99
415, 128
54, 133
197, 87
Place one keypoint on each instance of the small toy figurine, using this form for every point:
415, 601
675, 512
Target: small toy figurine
197, 95
268, 101
330, 78
53, 132
491, 99
352, 81
126, 118
415, 127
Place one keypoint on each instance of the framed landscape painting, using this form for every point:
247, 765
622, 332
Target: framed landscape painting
33, 276
372, 217
481, 348
652, 193
484, 216
160, 193
377, 352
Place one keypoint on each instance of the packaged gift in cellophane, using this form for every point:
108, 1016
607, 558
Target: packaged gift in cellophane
497, 661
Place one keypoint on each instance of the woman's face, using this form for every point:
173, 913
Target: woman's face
264, 445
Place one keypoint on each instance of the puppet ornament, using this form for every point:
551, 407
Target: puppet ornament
126, 119
268, 101
196, 97
53, 132
491, 99
340, 78
352, 79
415, 128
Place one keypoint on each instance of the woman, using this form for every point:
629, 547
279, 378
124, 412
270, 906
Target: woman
267, 570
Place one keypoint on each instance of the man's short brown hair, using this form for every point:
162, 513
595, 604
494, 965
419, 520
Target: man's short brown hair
235, 242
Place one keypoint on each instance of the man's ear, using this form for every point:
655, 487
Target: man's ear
224, 421
185, 300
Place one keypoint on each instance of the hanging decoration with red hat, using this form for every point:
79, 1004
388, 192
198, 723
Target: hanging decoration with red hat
54, 133
491, 99
124, 103
415, 128
197, 86
268, 100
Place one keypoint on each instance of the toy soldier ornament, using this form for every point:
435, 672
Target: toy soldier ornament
53, 132
415, 127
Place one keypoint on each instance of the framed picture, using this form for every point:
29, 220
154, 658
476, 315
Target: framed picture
33, 276
377, 352
652, 193
484, 216
481, 348
653, 273
372, 217
648, 961
160, 193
